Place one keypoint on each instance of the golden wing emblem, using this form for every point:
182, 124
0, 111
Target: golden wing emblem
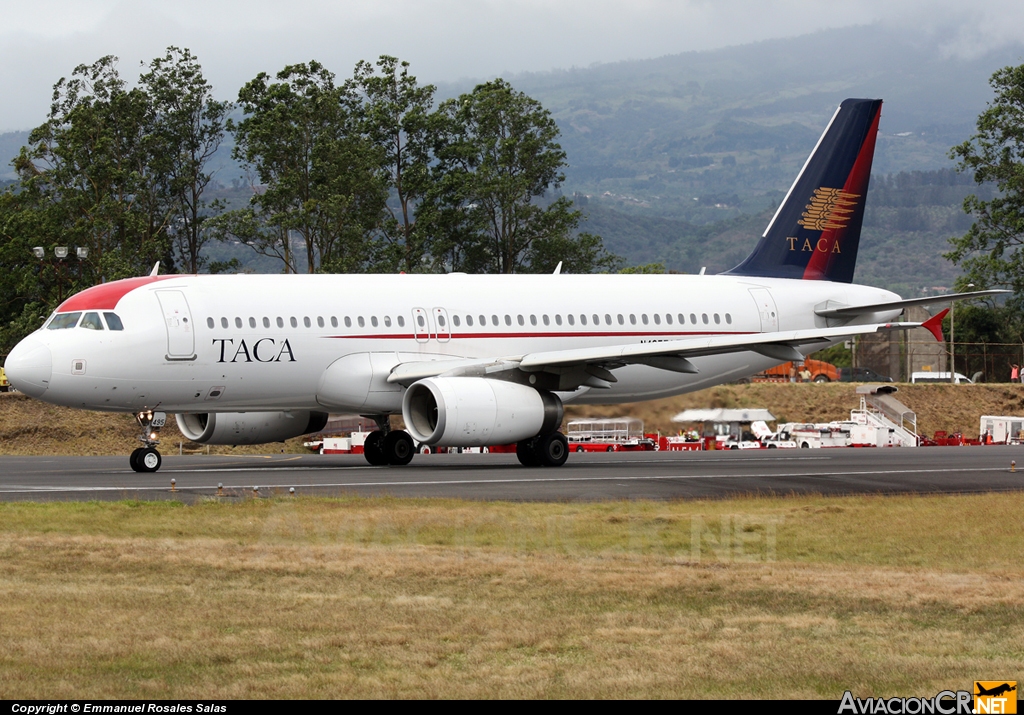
829, 208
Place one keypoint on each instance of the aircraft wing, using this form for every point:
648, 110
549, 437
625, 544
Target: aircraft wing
852, 311
593, 365
782, 345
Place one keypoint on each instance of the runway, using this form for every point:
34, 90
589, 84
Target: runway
637, 475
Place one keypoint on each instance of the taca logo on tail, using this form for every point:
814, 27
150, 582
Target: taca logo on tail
815, 233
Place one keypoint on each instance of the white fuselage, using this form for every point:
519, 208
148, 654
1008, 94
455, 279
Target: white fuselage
263, 342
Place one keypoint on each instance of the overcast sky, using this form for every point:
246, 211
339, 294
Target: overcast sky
445, 40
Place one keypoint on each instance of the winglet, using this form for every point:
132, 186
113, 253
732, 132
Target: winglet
156, 269
934, 324
558, 269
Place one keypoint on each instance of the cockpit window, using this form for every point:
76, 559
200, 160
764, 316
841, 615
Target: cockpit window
92, 321
113, 321
63, 321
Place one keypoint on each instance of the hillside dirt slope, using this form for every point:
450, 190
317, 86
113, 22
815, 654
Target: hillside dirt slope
30, 427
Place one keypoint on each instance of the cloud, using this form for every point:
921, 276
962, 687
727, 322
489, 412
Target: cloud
444, 39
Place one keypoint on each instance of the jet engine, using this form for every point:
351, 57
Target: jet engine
248, 427
476, 411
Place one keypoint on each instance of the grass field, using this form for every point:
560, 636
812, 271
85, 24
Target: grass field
31, 427
756, 597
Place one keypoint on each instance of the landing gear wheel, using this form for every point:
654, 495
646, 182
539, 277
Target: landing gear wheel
528, 456
133, 459
145, 459
552, 449
373, 449
398, 448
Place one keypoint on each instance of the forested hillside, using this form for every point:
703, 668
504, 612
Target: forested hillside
681, 160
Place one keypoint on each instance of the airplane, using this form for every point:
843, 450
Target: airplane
467, 360
996, 691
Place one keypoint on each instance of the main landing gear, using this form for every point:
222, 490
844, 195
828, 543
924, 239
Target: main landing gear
546, 450
388, 446
147, 459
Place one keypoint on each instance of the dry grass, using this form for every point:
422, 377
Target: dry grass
31, 427
798, 597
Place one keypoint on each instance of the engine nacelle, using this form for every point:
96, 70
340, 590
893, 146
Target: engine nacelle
476, 411
248, 427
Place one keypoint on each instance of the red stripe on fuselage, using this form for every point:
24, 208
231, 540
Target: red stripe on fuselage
106, 295
471, 336
856, 183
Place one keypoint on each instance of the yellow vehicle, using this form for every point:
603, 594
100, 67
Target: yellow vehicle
4, 384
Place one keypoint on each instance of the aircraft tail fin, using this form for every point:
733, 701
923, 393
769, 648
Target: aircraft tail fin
815, 233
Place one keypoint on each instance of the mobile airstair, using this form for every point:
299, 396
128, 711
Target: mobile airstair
896, 424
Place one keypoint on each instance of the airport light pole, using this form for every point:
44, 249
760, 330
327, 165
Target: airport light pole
952, 338
60, 253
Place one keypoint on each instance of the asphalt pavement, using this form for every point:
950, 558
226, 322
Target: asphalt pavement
630, 475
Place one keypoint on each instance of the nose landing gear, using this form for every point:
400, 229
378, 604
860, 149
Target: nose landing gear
147, 459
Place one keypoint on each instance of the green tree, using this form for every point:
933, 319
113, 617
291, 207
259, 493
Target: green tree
990, 253
88, 172
317, 175
397, 114
489, 205
188, 127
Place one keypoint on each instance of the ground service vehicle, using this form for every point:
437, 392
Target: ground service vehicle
940, 378
820, 370
613, 434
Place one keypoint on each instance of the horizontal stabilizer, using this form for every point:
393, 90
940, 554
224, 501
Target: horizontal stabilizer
853, 311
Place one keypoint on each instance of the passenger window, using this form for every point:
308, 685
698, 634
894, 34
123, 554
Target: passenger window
387, 321
668, 318
520, 320
401, 321
469, 320
114, 322
643, 318
508, 319
546, 319
266, 322
419, 320
494, 320
657, 319
483, 320
92, 321
456, 321
252, 322
597, 319
210, 323
306, 321
224, 322
238, 322
294, 322
373, 320
728, 319
362, 323
621, 321
440, 320
704, 317
632, 319
583, 319
533, 320
280, 322
334, 322
571, 319
607, 319
348, 322
64, 321
319, 321
693, 318
558, 319
718, 319
682, 319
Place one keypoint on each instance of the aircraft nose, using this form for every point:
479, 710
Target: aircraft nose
29, 367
